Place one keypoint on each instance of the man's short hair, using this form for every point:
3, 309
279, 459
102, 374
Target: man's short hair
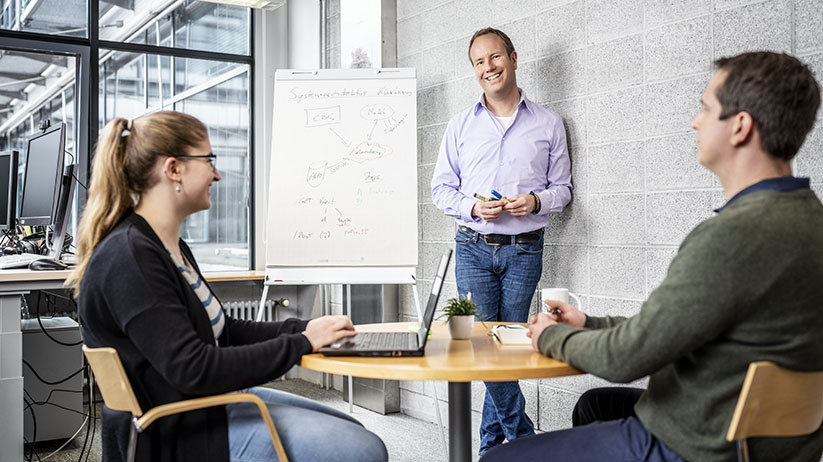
778, 91
507, 42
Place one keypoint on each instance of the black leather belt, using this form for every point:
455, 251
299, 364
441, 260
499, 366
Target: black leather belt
504, 239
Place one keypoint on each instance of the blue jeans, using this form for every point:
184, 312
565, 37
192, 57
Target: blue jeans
502, 280
622, 440
308, 430
605, 428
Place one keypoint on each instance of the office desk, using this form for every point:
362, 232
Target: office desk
14, 284
457, 361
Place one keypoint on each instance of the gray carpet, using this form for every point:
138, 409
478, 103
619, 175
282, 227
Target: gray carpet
407, 439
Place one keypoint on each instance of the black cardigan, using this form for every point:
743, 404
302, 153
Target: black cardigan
132, 298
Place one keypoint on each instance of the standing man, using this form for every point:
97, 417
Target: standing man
509, 145
744, 286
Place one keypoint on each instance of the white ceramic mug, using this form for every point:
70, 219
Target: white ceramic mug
559, 294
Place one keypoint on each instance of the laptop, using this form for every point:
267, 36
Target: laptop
394, 343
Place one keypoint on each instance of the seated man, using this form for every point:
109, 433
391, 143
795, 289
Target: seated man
746, 285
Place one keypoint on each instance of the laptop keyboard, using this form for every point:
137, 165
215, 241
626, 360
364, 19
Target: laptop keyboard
384, 341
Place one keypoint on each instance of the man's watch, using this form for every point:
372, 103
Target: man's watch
536, 203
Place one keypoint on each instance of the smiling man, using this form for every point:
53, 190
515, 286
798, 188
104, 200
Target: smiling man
510, 145
744, 286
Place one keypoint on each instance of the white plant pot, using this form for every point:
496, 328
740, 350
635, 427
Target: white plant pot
460, 327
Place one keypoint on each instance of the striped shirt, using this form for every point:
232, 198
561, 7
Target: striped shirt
212, 306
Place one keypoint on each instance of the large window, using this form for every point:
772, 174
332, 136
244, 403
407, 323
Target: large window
182, 55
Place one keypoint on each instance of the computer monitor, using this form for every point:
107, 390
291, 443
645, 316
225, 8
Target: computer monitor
43, 177
48, 188
8, 189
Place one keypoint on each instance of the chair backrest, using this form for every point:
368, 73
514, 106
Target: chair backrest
777, 402
112, 381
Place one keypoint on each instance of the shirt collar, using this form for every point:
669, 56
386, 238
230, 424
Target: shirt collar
481, 102
783, 184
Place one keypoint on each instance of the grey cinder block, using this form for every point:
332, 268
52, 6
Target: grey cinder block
521, 33
614, 116
431, 138
608, 19
555, 408
568, 226
671, 163
658, 260
437, 25
760, 26
424, 177
616, 219
528, 79
565, 266
607, 306
459, 95
671, 105
678, 49
618, 271
408, 36
561, 28
808, 25
469, 16
436, 65
809, 161
430, 105
415, 61
616, 167
561, 76
616, 63
580, 177
504, 11
672, 215
573, 112
573, 383
665, 11
436, 225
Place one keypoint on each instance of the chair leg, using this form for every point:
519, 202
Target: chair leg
742, 451
132, 449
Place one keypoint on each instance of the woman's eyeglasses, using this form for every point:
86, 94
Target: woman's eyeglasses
210, 156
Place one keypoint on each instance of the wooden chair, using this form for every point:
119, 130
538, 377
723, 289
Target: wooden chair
119, 396
776, 402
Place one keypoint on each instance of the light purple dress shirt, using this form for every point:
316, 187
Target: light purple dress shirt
477, 155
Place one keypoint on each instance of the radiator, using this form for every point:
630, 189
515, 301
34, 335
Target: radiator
247, 309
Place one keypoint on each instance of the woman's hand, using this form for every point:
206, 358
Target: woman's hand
327, 330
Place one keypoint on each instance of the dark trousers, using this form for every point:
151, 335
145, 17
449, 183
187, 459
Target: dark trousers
605, 428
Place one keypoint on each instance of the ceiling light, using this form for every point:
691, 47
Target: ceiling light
265, 4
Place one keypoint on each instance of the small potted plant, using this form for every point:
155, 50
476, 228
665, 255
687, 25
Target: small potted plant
460, 313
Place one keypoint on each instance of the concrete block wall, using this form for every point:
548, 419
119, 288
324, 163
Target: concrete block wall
626, 76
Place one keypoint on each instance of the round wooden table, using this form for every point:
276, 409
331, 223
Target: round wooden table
457, 361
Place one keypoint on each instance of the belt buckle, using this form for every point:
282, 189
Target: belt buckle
493, 244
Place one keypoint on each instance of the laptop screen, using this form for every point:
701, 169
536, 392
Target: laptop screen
431, 306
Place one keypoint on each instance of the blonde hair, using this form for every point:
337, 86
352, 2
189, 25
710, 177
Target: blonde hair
123, 167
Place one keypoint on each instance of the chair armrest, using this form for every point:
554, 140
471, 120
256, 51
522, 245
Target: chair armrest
210, 401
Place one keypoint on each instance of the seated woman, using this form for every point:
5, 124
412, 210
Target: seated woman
140, 291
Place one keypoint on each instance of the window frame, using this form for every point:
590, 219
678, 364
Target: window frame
87, 101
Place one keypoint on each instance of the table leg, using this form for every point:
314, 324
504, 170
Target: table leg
11, 378
460, 422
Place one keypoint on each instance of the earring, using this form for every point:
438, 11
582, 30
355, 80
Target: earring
178, 188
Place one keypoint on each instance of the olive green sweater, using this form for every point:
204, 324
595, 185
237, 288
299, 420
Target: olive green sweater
746, 285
